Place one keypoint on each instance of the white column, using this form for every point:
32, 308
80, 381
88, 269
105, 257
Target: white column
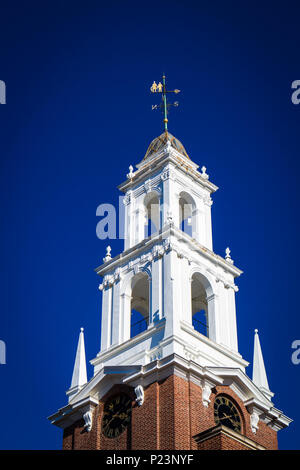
125, 316
177, 267
168, 293
213, 317
172, 288
232, 314
116, 315
128, 222
208, 235
140, 220
106, 319
156, 289
223, 317
170, 201
200, 223
186, 293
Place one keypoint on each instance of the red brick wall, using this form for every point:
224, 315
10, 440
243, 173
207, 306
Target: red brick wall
221, 442
145, 421
171, 415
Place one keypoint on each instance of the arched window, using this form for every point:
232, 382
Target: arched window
187, 218
199, 305
139, 304
152, 214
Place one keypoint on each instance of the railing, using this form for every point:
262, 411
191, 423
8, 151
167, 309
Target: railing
200, 327
138, 327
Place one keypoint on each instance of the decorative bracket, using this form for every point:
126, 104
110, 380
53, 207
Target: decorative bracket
140, 396
255, 413
88, 421
254, 419
206, 392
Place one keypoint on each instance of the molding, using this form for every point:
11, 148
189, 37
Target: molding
220, 429
159, 161
242, 386
134, 376
71, 413
113, 350
228, 352
159, 239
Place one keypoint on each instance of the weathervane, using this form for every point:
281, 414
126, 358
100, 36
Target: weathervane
164, 106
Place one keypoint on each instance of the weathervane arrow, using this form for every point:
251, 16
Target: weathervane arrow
164, 106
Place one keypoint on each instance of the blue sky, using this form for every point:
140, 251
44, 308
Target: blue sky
78, 113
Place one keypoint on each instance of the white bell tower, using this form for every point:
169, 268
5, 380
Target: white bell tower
168, 275
168, 331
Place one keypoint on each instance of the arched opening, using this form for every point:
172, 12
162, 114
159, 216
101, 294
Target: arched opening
152, 214
199, 306
139, 304
187, 219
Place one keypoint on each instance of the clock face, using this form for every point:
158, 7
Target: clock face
116, 415
226, 413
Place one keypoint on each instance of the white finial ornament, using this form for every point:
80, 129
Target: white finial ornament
204, 174
108, 255
228, 257
130, 174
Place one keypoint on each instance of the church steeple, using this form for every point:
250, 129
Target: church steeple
169, 338
259, 375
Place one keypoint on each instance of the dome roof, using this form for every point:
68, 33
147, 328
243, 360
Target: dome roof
159, 142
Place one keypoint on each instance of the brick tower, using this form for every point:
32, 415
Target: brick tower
169, 374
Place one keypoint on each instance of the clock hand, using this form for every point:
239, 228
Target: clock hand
107, 424
120, 415
224, 416
228, 417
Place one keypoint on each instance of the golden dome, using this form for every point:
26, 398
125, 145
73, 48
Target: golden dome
159, 142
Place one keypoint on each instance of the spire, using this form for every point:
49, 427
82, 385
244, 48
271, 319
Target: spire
259, 376
79, 377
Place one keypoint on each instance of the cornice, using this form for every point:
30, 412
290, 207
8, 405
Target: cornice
161, 159
134, 375
114, 350
163, 240
71, 413
218, 347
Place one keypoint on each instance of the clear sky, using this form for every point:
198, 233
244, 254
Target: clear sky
78, 113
